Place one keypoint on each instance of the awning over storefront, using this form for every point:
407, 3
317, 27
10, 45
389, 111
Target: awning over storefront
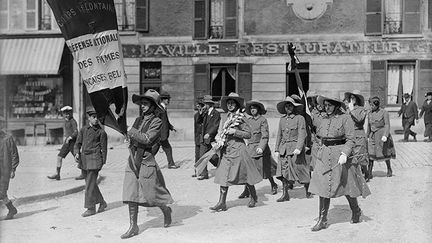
30, 56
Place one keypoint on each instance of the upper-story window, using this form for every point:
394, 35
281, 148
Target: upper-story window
125, 10
4, 14
215, 19
390, 17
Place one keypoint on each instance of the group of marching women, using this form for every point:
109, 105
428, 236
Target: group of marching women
333, 146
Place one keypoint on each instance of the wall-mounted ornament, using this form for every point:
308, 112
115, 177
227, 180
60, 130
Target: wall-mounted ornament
309, 9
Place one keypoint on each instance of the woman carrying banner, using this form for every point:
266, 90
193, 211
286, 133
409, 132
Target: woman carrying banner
144, 184
290, 148
236, 166
335, 174
258, 144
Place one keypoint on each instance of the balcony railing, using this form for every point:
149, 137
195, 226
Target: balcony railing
392, 27
216, 32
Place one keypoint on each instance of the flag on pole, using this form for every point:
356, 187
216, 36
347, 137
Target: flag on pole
91, 33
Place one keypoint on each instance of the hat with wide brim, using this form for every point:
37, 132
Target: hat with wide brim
281, 105
232, 96
296, 98
355, 93
208, 99
334, 98
151, 95
257, 103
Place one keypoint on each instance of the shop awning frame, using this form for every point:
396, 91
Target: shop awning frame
31, 56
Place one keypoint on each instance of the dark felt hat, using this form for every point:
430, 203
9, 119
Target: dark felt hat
90, 110
281, 105
257, 103
232, 96
164, 95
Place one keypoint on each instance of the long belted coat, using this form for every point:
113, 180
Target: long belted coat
236, 166
9, 160
291, 135
145, 185
345, 179
360, 154
92, 141
259, 139
378, 126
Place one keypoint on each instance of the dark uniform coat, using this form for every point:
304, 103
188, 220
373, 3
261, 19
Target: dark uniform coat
409, 113
316, 116
9, 160
146, 185
92, 141
346, 179
291, 135
427, 111
198, 121
259, 139
359, 153
166, 126
236, 166
378, 126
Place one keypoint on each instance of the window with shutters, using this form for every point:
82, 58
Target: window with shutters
215, 19
125, 10
223, 80
150, 76
31, 15
141, 15
4, 14
391, 17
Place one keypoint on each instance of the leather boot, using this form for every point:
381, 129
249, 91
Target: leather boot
285, 195
389, 170
167, 215
355, 209
308, 194
274, 186
245, 193
365, 171
370, 169
12, 210
253, 196
221, 205
133, 218
322, 220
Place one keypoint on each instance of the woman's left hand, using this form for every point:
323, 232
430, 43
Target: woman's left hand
342, 159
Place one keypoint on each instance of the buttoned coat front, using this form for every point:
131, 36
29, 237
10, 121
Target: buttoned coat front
9, 160
360, 154
291, 135
144, 183
330, 180
379, 126
92, 142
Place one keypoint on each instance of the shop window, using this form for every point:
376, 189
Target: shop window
390, 17
142, 15
36, 97
291, 83
215, 19
4, 15
150, 76
400, 80
125, 10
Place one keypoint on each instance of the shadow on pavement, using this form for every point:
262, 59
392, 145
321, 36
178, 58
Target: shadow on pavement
380, 174
26, 214
342, 214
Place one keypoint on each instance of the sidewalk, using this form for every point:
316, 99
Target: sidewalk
31, 182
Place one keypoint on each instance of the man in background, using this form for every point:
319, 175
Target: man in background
409, 114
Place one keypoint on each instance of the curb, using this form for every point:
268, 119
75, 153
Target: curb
51, 195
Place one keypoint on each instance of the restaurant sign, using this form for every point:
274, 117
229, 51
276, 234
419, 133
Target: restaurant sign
277, 48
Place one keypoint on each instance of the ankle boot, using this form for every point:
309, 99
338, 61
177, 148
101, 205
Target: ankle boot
365, 171
285, 195
253, 196
245, 193
355, 209
308, 194
370, 169
133, 218
389, 170
322, 220
273, 185
12, 210
167, 215
221, 205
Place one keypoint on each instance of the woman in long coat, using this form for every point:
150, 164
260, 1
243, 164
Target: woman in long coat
380, 142
258, 146
235, 166
335, 174
358, 114
144, 184
427, 111
290, 148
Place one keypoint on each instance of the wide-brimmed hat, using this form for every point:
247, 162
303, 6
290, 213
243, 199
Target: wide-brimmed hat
150, 94
406, 96
257, 103
66, 108
331, 97
90, 110
232, 96
428, 93
355, 93
208, 99
296, 98
164, 95
281, 105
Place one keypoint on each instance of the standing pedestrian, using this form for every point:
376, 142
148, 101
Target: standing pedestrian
9, 160
71, 132
409, 114
357, 113
236, 166
165, 98
210, 127
335, 173
380, 142
198, 121
91, 154
290, 148
144, 184
427, 111
258, 146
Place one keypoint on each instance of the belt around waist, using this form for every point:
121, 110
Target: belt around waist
332, 141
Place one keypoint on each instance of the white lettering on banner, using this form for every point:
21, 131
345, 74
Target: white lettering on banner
99, 59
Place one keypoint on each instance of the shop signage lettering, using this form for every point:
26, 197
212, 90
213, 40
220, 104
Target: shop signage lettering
277, 49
